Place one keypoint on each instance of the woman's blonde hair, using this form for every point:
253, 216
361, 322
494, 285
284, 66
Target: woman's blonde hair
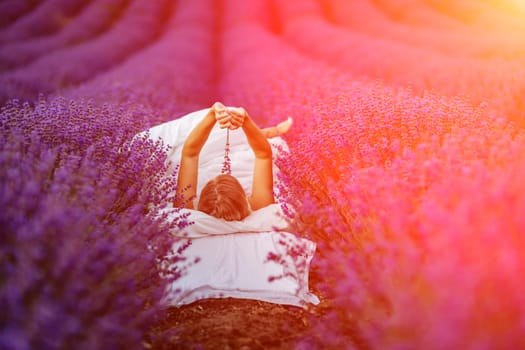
224, 198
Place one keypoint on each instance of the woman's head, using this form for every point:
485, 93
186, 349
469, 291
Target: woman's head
224, 198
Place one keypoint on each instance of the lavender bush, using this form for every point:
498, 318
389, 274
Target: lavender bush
81, 241
409, 215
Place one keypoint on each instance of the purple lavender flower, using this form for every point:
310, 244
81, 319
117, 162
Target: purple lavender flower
81, 244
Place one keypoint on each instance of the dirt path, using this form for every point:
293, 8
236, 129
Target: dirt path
234, 324
230, 323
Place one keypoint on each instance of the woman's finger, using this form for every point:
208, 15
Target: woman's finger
218, 106
237, 119
235, 126
225, 124
222, 117
239, 111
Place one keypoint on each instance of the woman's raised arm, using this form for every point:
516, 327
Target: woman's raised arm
189, 163
262, 186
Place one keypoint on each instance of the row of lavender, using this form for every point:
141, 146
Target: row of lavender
79, 252
367, 40
92, 21
70, 65
46, 18
491, 75
81, 243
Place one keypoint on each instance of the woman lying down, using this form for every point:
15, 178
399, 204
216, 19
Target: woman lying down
223, 197
236, 224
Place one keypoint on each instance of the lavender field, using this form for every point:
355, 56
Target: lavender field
406, 163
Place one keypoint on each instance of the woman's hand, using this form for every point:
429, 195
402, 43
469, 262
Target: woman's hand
221, 115
238, 115
228, 117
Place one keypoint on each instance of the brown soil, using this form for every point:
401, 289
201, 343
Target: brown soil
234, 324
230, 323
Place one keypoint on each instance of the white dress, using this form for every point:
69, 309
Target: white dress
233, 256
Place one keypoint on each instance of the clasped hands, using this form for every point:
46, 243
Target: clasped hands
229, 117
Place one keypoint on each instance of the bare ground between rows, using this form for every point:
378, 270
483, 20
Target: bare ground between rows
229, 323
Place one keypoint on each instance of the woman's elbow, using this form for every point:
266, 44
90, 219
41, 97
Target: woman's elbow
189, 152
264, 152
